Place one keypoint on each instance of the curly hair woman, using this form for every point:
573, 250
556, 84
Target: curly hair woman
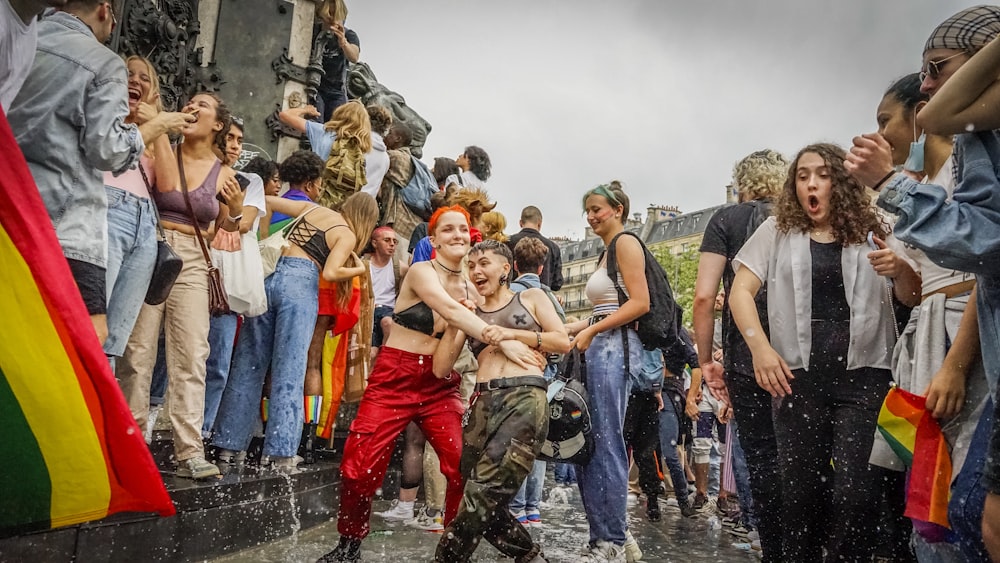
827, 361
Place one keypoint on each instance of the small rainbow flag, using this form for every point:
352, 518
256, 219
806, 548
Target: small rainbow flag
915, 436
71, 450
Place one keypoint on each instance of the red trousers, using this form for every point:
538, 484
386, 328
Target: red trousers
401, 388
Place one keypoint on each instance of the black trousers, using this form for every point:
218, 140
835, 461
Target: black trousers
754, 409
825, 430
642, 436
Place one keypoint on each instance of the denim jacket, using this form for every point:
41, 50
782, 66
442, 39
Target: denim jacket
960, 233
69, 120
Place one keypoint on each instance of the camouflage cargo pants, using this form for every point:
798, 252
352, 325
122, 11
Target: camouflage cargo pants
504, 431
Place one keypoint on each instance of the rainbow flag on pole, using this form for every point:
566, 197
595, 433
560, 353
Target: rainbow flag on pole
71, 451
916, 437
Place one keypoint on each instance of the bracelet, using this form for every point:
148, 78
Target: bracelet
883, 180
237, 218
538, 337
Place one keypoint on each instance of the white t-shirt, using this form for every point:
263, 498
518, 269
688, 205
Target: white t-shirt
384, 284
932, 276
468, 180
17, 52
255, 197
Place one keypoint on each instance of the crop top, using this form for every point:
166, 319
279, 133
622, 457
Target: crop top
512, 315
131, 180
420, 317
600, 289
206, 208
311, 240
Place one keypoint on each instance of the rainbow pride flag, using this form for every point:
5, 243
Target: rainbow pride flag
915, 436
71, 451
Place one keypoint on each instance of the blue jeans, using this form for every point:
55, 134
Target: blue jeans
741, 474
131, 257
278, 339
565, 473
603, 481
968, 494
669, 437
158, 384
221, 340
530, 493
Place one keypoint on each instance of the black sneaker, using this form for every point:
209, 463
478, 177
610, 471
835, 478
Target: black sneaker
652, 508
347, 551
688, 511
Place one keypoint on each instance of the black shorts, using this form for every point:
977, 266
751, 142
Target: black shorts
92, 282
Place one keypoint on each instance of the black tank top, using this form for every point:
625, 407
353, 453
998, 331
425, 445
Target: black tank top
512, 315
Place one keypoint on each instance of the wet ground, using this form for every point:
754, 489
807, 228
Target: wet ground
562, 535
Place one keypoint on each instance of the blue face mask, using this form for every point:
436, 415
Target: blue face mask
915, 162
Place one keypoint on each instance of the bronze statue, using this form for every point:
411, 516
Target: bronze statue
362, 85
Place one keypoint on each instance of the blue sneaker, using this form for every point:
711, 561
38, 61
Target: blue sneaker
521, 517
533, 518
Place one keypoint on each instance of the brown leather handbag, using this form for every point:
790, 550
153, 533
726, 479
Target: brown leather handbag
218, 302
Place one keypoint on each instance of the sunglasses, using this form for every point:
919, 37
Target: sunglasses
933, 68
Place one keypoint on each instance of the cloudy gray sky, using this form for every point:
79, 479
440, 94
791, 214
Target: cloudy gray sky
663, 95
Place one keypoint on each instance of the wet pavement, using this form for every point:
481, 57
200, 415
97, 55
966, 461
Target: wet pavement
562, 535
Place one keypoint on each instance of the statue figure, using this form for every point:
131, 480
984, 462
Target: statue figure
363, 86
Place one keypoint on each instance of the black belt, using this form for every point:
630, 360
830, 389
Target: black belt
594, 319
508, 382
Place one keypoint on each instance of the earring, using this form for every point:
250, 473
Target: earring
503, 279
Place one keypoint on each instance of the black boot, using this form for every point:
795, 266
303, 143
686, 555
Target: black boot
652, 508
347, 551
307, 447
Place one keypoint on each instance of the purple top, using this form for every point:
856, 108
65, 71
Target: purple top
206, 207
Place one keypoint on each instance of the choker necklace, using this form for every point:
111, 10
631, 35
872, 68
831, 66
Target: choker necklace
447, 269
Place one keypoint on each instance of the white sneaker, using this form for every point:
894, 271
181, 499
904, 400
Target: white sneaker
398, 512
631, 548
424, 521
604, 552
196, 468
154, 413
632, 500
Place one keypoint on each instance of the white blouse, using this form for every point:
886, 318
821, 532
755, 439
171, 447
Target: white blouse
783, 261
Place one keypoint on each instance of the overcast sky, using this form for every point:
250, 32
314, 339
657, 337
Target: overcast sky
663, 95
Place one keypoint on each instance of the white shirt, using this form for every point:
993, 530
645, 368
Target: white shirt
17, 52
932, 276
784, 262
255, 197
384, 284
469, 180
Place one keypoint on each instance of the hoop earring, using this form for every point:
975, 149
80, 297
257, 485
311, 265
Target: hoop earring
503, 279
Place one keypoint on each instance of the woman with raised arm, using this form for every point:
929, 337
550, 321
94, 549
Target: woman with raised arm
613, 353
215, 197
509, 417
402, 386
131, 215
828, 358
323, 243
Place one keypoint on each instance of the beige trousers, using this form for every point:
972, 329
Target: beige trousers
435, 484
185, 320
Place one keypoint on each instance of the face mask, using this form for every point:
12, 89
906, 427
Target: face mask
915, 162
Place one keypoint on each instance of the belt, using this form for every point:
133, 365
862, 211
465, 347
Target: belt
498, 383
952, 290
594, 319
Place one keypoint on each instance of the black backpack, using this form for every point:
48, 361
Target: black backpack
658, 327
570, 438
761, 211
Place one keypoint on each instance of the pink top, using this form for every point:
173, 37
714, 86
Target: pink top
131, 181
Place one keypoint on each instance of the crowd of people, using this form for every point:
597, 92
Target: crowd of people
842, 272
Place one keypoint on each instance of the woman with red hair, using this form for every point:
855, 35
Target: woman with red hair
402, 386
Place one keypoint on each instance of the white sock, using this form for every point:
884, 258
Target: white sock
406, 505
154, 413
